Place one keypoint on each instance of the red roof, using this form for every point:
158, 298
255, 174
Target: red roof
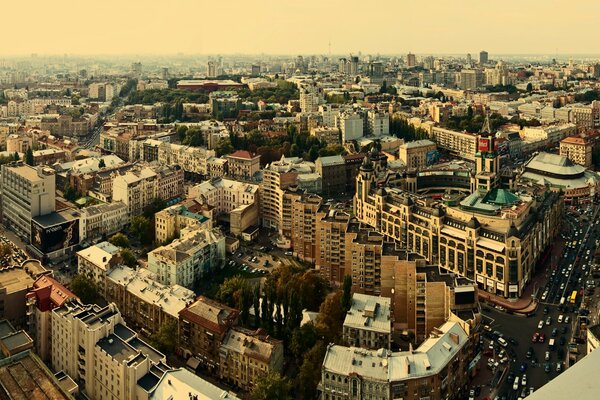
242, 154
49, 293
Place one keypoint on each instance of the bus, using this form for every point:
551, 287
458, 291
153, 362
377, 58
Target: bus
573, 297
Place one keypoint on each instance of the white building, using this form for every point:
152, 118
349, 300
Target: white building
378, 122
351, 125
95, 262
102, 220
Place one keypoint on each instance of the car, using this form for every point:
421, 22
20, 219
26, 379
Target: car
522, 368
524, 380
516, 383
548, 320
523, 393
536, 337
547, 356
471, 394
529, 353
567, 319
554, 332
288, 253
560, 319
541, 324
542, 338
511, 376
513, 341
547, 367
531, 390
558, 366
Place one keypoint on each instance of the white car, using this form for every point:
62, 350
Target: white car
567, 319
516, 383
524, 380
541, 324
560, 319
547, 356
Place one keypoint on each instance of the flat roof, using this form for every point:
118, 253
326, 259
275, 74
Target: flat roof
57, 218
370, 313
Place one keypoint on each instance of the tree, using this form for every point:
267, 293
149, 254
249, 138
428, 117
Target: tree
165, 339
383, 88
303, 339
101, 164
224, 147
29, 156
256, 305
16, 156
272, 386
347, 293
85, 289
69, 193
310, 371
5, 250
331, 317
529, 87
119, 240
140, 228
129, 258
181, 131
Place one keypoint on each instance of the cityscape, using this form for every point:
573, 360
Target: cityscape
358, 211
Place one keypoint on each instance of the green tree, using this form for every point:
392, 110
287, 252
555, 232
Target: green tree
5, 250
69, 193
383, 88
119, 240
29, 156
529, 87
256, 305
85, 289
129, 258
347, 293
303, 339
16, 156
310, 371
224, 147
181, 132
331, 317
165, 339
101, 164
272, 386
142, 229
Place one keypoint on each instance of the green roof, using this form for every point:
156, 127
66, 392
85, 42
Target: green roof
500, 197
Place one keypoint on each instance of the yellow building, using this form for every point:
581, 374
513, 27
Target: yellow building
242, 164
577, 149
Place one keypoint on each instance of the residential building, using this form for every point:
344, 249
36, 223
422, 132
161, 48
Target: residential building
189, 258
27, 192
48, 156
368, 323
96, 261
327, 134
470, 79
176, 382
45, 295
18, 143
411, 60
417, 154
587, 116
224, 104
169, 222
332, 170
247, 355
460, 144
593, 338
15, 282
351, 126
242, 164
577, 149
437, 369
331, 225
145, 303
378, 123
190, 159
203, 326
102, 220
311, 97
92, 344
304, 212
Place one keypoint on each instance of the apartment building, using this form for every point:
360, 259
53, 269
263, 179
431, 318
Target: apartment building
239, 200
351, 125
587, 116
437, 369
460, 144
203, 326
48, 156
143, 301
188, 258
45, 295
242, 164
93, 345
577, 149
190, 159
67, 125
333, 173
368, 323
304, 213
96, 261
169, 222
277, 177
247, 355
15, 282
378, 122
330, 243
417, 154
102, 220
327, 134
27, 192
175, 383
364, 250
18, 143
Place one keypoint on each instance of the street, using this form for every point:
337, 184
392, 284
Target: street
559, 298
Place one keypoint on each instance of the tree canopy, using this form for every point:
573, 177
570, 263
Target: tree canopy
85, 289
272, 386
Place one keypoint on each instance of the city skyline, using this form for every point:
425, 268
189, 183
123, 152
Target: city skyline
307, 28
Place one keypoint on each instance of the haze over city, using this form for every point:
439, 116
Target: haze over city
300, 27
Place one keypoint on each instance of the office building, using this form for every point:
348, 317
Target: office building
483, 57
418, 154
411, 60
27, 192
189, 258
146, 303
247, 355
368, 323
203, 326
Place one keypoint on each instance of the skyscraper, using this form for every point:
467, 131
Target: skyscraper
483, 57
411, 60
211, 69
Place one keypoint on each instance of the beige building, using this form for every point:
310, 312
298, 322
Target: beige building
246, 355
18, 143
96, 261
437, 369
45, 295
27, 192
460, 144
190, 159
144, 302
242, 164
304, 213
102, 220
203, 326
327, 134
169, 222
414, 154
577, 149
368, 323
188, 258
331, 226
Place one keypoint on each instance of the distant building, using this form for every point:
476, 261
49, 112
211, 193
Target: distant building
411, 60
351, 125
483, 57
169, 222
102, 220
329, 135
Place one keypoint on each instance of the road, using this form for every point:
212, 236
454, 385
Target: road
569, 274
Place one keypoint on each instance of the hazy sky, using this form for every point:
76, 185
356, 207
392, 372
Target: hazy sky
300, 26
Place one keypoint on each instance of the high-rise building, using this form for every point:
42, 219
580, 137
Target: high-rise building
164, 73
470, 79
211, 68
411, 60
483, 57
351, 125
27, 192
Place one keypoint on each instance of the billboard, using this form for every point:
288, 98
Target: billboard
48, 239
432, 157
483, 145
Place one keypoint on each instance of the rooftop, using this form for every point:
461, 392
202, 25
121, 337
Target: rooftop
417, 143
243, 154
370, 313
179, 382
251, 344
210, 314
100, 254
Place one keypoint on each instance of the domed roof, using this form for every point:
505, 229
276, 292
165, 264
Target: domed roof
513, 231
473, 223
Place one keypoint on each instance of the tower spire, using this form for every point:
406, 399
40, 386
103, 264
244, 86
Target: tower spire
485, 129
